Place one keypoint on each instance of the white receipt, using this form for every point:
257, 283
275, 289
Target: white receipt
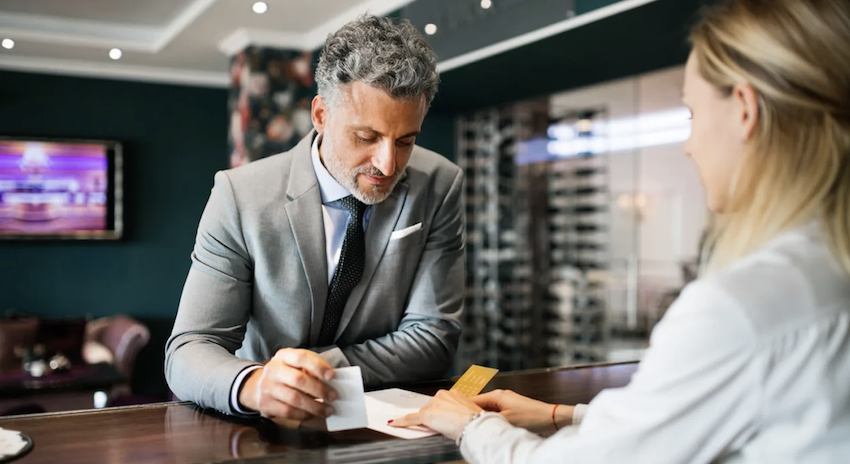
350, 405
394, 403
11, 443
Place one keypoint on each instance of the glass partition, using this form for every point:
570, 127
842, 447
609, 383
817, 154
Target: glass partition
583, 223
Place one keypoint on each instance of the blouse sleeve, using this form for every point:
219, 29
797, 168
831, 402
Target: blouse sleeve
694, 395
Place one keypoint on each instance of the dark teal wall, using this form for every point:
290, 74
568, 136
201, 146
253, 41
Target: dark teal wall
584, 6
644, 39
175, 139
438, 134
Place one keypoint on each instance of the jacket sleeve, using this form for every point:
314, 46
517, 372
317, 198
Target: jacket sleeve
212, 317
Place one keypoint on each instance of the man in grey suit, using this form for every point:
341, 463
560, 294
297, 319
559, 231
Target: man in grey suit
346, 250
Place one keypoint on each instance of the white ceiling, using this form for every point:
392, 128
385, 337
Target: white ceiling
148, 12
190, 41
181, 41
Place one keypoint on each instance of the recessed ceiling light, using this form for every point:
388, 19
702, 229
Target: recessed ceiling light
260, 7
430, 29
115, 53
486, 4
8, 44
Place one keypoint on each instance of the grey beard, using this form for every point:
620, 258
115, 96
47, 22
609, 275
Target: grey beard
348, 179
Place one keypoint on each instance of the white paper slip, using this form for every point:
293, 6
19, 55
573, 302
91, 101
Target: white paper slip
350, 405
393, 403
11, 443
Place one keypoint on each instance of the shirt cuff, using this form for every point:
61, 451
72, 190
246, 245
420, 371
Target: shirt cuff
578, 413
335, 357
486, 432
234, 391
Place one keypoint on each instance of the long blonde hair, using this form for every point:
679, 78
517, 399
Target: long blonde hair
796, 55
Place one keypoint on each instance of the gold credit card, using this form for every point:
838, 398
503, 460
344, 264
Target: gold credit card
474, 380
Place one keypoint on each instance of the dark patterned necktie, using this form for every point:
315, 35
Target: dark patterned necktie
348, 271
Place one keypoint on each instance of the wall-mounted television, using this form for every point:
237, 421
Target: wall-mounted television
60, 189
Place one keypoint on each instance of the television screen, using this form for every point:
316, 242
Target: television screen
52, 189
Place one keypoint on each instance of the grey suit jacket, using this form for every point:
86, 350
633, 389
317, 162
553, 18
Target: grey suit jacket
259, 280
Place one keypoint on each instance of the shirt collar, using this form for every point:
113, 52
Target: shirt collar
330, 189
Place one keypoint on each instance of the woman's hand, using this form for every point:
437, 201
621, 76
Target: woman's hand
532, 415
447, 412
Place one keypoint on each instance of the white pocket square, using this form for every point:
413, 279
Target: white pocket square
397, 234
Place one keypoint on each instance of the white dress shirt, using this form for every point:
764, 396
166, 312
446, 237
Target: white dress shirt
335, 215
336, 219
750, 365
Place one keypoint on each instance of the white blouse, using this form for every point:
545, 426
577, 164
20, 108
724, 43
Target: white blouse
750, 365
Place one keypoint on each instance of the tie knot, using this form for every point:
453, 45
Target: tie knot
354, 206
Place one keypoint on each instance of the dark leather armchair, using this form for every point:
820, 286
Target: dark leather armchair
122, 335
116, 340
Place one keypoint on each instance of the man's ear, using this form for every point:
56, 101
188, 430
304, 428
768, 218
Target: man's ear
319, 113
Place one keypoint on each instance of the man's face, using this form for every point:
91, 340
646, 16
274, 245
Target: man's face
367, 139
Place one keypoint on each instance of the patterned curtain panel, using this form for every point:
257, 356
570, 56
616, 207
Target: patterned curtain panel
270, 99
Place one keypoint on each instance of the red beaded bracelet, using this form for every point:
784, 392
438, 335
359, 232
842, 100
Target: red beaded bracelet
553, 417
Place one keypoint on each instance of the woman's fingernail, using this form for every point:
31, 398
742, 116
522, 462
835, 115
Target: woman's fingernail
389, 421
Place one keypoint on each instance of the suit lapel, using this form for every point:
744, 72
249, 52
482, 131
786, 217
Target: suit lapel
382, 222
304, 211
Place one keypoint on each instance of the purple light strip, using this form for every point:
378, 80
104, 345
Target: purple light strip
58, 163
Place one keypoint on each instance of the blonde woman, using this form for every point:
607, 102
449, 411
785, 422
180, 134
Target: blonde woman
752, 362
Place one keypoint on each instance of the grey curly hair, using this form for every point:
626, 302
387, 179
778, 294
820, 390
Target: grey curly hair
392, 56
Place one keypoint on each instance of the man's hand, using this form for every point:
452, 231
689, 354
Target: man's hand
289, 385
